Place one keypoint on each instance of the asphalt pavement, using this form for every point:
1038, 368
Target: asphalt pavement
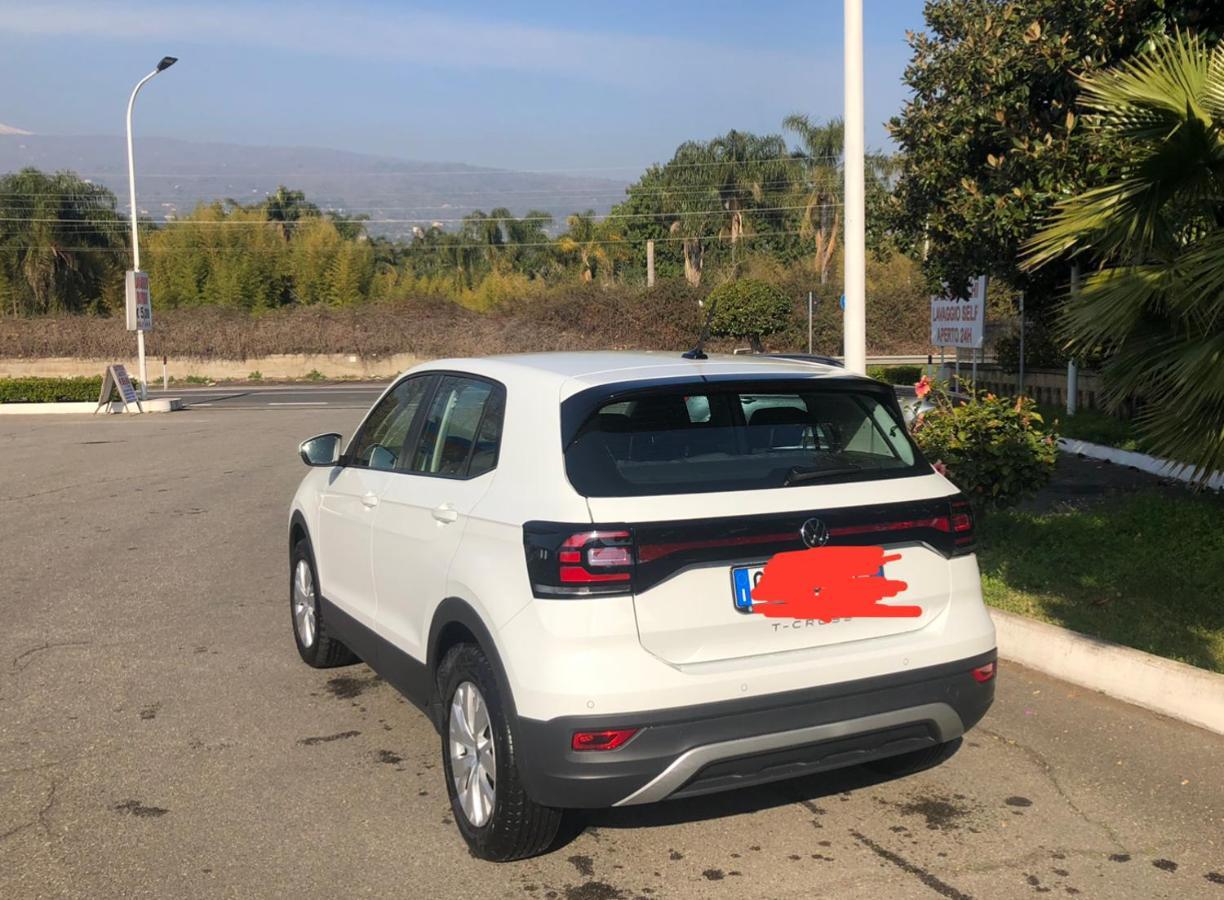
346, 395
160, 738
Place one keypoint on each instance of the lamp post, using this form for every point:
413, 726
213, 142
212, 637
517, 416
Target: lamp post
854, 319
166, 62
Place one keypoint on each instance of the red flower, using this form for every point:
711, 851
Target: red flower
939, 467
923, 387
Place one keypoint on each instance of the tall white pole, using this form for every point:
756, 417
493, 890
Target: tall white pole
166, 63
855, 314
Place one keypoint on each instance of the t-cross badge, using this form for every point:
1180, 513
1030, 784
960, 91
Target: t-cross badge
618, 578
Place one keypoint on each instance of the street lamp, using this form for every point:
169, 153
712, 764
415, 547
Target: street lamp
166, 62
854, 318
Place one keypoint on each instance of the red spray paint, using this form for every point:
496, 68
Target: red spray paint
827, 583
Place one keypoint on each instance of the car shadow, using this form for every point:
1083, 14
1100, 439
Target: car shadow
742, 801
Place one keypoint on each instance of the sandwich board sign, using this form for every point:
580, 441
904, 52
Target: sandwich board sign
960, 321
117, 377
139, 304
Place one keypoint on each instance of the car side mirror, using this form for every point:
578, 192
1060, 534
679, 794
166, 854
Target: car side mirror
320, 450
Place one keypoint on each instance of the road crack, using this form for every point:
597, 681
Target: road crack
20, 666
1048, 770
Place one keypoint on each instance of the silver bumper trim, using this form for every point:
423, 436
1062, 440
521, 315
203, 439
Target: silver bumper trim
688, 763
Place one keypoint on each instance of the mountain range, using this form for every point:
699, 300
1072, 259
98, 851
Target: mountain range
173, 176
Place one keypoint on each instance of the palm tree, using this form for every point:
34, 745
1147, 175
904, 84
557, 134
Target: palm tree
596, 244
822, 179
60, 242
717, 184
1153, 302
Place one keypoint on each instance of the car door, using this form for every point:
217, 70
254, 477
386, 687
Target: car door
426, 503
353, 492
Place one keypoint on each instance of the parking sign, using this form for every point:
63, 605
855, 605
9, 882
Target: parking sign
139, 304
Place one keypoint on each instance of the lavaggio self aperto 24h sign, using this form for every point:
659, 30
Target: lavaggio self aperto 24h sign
139, 303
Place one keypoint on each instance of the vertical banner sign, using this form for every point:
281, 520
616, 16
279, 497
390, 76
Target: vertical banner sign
117, 377
139, 305
960, 321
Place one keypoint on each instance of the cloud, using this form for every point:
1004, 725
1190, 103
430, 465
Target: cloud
429, 39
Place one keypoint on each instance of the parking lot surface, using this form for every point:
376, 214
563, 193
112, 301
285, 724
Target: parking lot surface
159, 736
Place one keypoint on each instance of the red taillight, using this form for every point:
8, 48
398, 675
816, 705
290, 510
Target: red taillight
983, 674
961, 519
588, 550
602, 740
579, 561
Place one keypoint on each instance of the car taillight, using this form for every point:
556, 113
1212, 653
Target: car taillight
983, 674
578, 560
602, 740
960, 518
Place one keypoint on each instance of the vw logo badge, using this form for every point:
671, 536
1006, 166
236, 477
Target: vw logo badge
815, 533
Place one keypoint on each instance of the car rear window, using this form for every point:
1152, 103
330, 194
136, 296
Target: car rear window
701, 438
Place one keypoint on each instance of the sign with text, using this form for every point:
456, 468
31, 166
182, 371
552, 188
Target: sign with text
116, 377
139, 304
960, 321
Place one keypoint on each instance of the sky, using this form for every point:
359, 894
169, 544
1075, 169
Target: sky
545, 85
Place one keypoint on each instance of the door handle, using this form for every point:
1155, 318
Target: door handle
444, 513
369, 501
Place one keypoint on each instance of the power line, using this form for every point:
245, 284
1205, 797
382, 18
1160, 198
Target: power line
439, 247
480, 173
180, 223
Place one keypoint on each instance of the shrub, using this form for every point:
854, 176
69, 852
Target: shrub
995, 449
315, 375
53, 390
255, 376
896, 374
749, 308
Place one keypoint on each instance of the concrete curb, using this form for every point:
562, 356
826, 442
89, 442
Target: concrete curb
1165, 468
152, 405
1171, 688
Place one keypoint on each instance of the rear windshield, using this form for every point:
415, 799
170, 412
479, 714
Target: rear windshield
681, 441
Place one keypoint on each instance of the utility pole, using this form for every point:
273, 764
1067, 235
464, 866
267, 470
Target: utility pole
650, 270
854, 322
1072, 368
166, 62
809, 322
1020, 385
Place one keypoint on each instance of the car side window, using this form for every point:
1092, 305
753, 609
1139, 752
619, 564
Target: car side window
380, 444
462, 429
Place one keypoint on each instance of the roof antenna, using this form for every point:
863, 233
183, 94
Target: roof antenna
698, 352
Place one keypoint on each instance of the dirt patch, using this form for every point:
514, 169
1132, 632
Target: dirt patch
327, 738
347, 687
138, 809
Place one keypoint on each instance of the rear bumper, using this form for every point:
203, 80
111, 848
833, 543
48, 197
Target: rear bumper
712, 747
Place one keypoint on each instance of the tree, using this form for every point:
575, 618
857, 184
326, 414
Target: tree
719, 188
287, 207
820, 156
1155, 236
748, 308
990, 137
596, 244
61, 242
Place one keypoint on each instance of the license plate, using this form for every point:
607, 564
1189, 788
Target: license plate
743, 580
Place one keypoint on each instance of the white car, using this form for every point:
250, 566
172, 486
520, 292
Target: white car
559, 558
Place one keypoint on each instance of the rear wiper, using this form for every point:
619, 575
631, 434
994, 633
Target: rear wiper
799, 475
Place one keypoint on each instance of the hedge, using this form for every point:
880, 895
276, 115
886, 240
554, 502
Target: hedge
896, 374
53, 390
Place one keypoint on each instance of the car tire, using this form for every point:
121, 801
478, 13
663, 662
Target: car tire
914, 761
495, 816
315, 643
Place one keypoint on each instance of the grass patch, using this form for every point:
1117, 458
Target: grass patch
1143, 569
1094, 426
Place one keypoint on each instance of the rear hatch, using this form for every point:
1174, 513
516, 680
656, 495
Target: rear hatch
708, 480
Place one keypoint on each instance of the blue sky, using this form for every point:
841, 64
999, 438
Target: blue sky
528, 85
